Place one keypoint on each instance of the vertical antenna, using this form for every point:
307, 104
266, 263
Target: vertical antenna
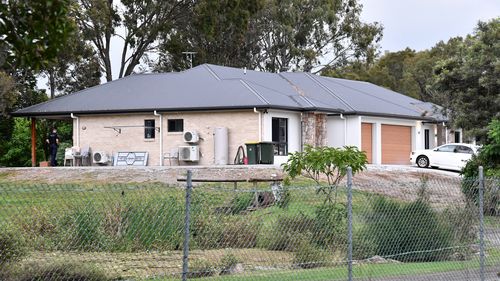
189, 56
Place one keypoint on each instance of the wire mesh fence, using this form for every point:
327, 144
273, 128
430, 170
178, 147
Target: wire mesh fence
427, 229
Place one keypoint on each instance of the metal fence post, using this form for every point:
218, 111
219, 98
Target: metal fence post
481, 223
349, 223
189, 187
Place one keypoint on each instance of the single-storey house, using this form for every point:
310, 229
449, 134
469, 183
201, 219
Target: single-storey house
152, 113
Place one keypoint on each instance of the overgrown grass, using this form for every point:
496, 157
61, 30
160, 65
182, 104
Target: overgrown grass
150, 217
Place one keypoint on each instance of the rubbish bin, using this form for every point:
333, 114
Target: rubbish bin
252, 153
266, 153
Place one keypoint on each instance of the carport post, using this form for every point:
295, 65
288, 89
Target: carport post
481, 223
33, 141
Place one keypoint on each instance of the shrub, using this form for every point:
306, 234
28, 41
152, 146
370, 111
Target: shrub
330, 227
227, 263
60, 272
154, 224
84, 229
11, 246
206, 232
463, 222
241, 202
308, 255
201, 268
407, 231
489, 158
287, 232
328, 162
239, 233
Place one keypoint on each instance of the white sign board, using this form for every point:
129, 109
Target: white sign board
131, 158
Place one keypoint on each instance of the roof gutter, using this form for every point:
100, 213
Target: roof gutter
155, 113
77, 128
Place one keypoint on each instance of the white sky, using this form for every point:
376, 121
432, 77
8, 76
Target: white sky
420, 24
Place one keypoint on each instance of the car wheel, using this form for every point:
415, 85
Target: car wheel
423, 161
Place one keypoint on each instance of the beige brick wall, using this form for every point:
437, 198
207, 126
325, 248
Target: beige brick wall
242, 125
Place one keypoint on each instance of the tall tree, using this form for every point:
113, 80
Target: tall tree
469, 80
137, 22
218, 31
75, 68
33, 32
296, 34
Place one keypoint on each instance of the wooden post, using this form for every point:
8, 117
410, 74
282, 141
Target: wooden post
33, 141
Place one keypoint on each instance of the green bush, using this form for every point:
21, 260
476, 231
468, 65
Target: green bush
206, 232
241, 202
240, 232
59, 272
489, 158
201, 268
407, 232
308, 255
83, 229
330, 225
12, 247
156, 224
287, 232
227, 263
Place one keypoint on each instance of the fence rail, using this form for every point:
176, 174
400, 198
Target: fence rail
433, 228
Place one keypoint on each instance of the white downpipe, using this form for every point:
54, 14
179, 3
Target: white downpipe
445, 133
260, 122
161, 136
345, 128
77, 129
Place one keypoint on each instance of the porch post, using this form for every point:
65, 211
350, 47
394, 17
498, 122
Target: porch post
33, 141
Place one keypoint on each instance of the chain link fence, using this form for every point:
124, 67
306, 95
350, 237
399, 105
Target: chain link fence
428, 229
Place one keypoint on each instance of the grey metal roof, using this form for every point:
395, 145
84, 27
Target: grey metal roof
209, 87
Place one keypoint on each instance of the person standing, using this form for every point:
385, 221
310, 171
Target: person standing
53, 141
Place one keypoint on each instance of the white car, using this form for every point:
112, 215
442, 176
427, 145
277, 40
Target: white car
451, 156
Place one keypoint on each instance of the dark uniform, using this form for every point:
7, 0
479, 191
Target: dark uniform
53, 140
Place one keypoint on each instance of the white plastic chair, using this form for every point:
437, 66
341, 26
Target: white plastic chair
172, 155
68, 156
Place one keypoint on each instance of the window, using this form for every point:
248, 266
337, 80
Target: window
464, 149
280, 136
175, 125
426, 138
447, 148
457, 137
149, 129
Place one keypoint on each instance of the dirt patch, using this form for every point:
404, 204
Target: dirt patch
150, 264
400, 182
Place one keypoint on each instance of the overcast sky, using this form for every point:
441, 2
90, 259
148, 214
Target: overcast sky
420, 24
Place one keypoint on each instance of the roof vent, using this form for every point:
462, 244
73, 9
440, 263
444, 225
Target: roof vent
245, 70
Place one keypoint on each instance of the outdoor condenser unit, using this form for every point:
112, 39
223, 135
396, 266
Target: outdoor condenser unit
189, 153
100, 157
191, 137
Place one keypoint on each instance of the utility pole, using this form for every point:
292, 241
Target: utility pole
189, 56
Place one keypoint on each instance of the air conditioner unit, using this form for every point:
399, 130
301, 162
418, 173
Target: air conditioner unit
189, 153
191, 137
100, 157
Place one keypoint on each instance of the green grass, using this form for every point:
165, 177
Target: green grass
340, 273
19, 200
359, 271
